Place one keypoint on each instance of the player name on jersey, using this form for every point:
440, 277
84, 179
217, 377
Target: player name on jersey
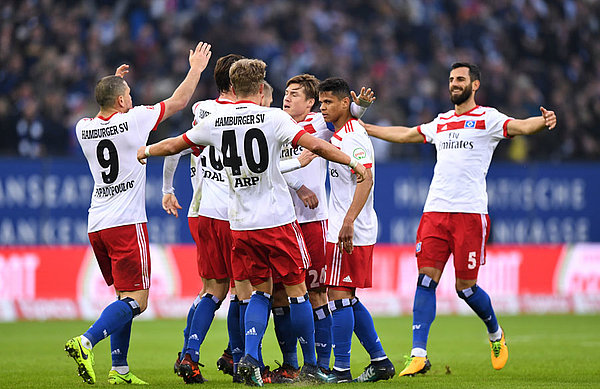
95, 133
112, 190
239, 120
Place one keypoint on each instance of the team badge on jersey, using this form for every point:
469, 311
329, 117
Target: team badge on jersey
470, 124
419, 244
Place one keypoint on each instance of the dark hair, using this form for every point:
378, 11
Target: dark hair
222, 71
474, 72
338, 86
310, 84
108, 89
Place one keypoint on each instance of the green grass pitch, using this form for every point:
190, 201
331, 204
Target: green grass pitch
553, 351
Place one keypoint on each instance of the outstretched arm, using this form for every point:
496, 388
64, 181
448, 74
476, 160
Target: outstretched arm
396, 134
179, 99
165, 147
533, 124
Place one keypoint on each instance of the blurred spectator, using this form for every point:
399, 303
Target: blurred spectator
531, 52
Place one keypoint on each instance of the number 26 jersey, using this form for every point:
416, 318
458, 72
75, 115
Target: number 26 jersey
110, 146
250, 138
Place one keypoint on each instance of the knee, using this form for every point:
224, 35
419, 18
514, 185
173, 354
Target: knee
467, 292
426, 281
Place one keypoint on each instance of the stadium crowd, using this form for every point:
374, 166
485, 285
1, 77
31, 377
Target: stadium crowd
531, 52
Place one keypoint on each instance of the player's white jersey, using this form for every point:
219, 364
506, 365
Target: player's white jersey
353, 140
465, 144
214, 193
110, 146
314, 174
250, 138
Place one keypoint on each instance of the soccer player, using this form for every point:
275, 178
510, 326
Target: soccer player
117, 215
350, 239
307, 188
455, 218
266, 238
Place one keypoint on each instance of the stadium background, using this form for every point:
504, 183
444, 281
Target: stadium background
544, 190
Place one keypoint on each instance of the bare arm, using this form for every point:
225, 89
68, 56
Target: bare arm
179, 99
165, 147
331, 153
533, 124
361, 194
396, 134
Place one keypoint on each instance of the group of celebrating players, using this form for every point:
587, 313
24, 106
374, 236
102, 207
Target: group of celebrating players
262, 226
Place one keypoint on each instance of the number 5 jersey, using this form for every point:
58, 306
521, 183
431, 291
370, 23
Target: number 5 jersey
110, 146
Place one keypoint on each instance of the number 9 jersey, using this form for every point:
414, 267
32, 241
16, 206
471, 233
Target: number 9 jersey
110, 146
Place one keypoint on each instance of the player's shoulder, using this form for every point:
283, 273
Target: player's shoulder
83, 122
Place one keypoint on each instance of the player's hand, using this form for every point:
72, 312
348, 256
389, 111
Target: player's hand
122, 70
306, 156
366, 97
141, 155
549, 118
345, 236
308, 197
200, 56
170, 204
361, 172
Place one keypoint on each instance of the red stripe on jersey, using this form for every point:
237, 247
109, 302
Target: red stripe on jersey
423, 135
225, 101
310, 129
298, 135
162, 113
462, 124
188, 141
336, 136
366, 165
505, 129
465, 113
196, 150
108, 118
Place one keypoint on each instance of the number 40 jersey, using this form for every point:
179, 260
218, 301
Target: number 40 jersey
110, 146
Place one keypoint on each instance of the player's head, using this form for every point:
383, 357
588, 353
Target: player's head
113, 92
222, 71
463, 82
267, 99
334, 96
301, 95
247, 76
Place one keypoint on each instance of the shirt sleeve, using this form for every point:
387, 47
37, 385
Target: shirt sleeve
428, 130
356, 145
496, 123
286, 129
199, 135
147, 117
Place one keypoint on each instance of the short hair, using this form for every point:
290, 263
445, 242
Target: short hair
310, 84
267, 88
246, 76
108, 89
474, 72
338, 86
222, 71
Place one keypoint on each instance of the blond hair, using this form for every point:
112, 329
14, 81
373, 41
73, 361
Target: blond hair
246, 76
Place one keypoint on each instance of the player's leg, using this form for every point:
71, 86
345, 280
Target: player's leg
472, 231
284, 331
323, 325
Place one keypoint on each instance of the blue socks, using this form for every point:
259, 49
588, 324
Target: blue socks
365, 332
343, 326
255, 322
203, 317
236, 340
304, 327
188, 325
112, 318
119, 345
282, 321
424, 307
480, 303
323, 324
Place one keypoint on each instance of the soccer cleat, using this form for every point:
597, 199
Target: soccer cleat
190, 371
415, 365
340, 376
115, 378
177, 363
225, 363
499, 352
249, 370
269, 377
312, 374
286, 371
83, 357
376, 371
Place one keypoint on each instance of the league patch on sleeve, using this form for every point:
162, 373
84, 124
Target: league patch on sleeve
359, 153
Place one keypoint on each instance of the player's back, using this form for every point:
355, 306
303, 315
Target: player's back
110, 146
250, 138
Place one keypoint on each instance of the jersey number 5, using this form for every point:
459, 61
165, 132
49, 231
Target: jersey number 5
231, 157
111, 163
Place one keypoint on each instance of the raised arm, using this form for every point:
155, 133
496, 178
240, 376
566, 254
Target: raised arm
533, 124
396, 134
198, 59
362, 102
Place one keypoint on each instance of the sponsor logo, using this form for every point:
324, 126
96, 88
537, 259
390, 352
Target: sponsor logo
419, 244
83, 354
347, 279
193, 337
251, 331
416, 327
359, 153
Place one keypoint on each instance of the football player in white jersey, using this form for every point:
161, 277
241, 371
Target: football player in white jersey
351, 235
307, 188
266, 238
117, 215
455, 218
